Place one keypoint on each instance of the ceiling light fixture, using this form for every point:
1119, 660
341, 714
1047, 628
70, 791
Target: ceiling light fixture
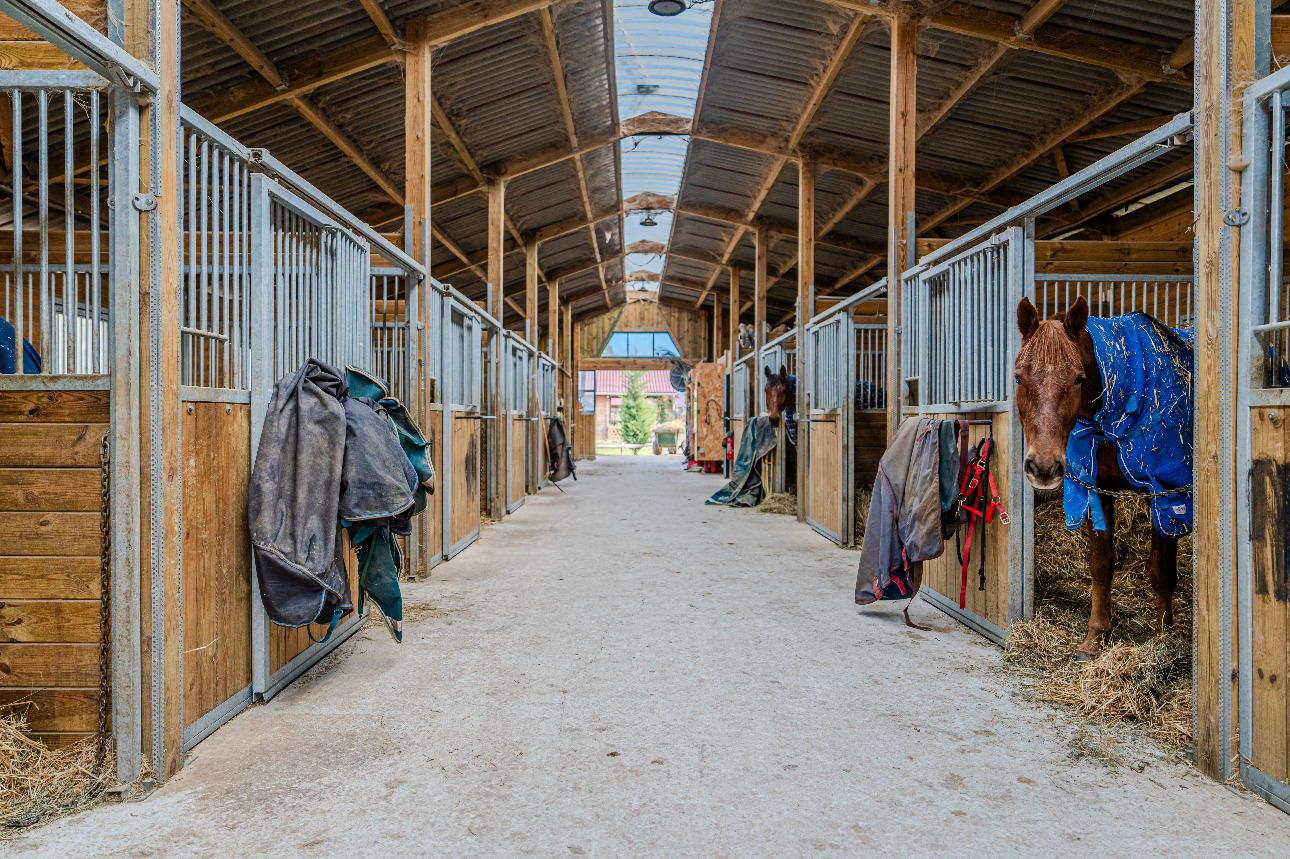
648, 221
667, 8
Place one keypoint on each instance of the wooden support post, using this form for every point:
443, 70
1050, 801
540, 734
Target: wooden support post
496, 244
496, 429
805, 240
150, 29
417, 122
733, 333
1224, 60
718, 327
553, 319
902, 128
761, 243
805, 308
531, 291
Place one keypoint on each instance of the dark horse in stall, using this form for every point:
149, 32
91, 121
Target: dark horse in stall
1059, 381
781, 401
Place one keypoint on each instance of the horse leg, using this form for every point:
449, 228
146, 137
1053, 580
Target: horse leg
1101, 566
1162, 570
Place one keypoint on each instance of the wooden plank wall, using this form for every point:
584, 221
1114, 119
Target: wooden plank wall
825, 472
50, 570
217, 589
710, 400
465, 479
433, 515
286, 643
868, 444
1270, 525
944, 574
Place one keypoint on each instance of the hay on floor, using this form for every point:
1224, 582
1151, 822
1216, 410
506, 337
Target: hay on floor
1137, 678
784, 503
863, 497
39, 784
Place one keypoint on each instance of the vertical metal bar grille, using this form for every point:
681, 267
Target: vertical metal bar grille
55, 292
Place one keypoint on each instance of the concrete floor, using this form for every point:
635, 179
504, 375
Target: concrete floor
621, 671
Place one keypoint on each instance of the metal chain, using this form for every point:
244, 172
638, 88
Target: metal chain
1129, 493
105, 598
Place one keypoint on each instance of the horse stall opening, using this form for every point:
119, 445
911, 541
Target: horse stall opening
546, 379
463, 395
517, 368
69, 409
781, 463
960, 338
743, 397
1263, 449
842, 424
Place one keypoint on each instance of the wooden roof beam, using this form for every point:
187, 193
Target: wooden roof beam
306, 76
342, 141
1108, 53
1099, 105
377, 13
227, 32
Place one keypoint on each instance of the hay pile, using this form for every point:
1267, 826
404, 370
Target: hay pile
1137, 679
39, 784
863, 497
784, 503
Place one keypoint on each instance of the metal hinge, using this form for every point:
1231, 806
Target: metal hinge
144, 202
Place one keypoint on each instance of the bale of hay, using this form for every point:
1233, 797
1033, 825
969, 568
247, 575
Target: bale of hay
38, 783
1137, 678
784, 503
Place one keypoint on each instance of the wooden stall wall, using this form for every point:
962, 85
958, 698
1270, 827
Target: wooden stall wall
466, 474
944, 575
286, 643
710, 408
824, 450
433, 516
217, 577
517, 461
1270, 626
50, 561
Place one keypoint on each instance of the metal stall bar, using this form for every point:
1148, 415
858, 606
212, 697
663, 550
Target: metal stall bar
1263, 395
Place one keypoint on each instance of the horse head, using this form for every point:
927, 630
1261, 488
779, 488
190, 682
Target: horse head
781, 393
1058, 381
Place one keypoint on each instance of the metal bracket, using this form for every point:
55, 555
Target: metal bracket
1236, 217
144, 202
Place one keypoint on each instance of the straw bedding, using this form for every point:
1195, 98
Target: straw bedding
1137, 679
784, 503
39, 784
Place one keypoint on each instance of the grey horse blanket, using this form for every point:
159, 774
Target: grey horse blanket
904, 524
327, 459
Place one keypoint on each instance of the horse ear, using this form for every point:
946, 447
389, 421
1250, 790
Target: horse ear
1076, 318
1027, 318
767, 369
783, 372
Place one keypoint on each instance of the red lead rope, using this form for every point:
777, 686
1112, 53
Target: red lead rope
972, 492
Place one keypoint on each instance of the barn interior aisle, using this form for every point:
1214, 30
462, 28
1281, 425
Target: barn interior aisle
621, 671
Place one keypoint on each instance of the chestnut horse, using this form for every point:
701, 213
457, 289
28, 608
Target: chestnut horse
781, 398
1059, 381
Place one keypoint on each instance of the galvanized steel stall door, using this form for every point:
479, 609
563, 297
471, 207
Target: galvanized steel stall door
463, 390
826, 421
1262, 511
311, 298
959, 344
217, 583
773, 357
548, 374
517, 362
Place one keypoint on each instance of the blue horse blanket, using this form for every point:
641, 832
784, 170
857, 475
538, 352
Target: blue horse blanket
1147, 411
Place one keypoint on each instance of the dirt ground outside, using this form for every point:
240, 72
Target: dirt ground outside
589, 681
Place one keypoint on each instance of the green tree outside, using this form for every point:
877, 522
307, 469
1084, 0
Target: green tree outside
637, 414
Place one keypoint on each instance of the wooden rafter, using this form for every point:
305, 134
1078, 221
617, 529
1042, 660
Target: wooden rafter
377, 13
333, 132
226, 31
854, 33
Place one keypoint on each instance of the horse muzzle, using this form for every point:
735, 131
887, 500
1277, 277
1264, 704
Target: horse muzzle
1045, 473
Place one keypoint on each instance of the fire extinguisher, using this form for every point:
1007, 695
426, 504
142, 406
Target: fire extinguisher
730, 447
